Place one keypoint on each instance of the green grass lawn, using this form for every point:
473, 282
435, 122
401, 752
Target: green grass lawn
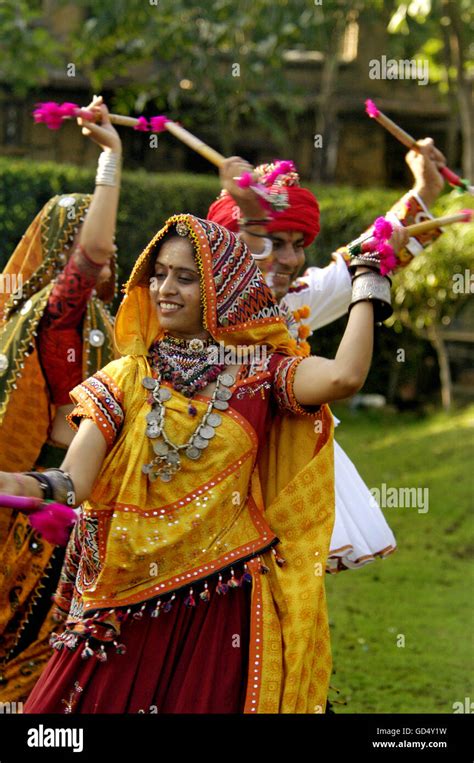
424, 590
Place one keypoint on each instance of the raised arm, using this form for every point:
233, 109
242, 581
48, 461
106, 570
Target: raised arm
97, 232
321, 380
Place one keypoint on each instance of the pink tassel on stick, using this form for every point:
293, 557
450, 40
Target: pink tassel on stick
142, 125
158, 124
410, 142
52, 520
53, 114
371, 109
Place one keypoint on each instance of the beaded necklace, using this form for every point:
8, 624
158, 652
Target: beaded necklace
186, 365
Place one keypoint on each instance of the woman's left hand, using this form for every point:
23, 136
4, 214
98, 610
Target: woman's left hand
104, 134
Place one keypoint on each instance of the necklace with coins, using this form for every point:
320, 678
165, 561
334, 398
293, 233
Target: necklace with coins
188, 367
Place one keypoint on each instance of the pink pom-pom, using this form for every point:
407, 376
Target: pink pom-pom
49, 113
54, 521
383, 229
142, 125
245, 180
281, 168
388, 259
158, 124
467, 215
52, 114
286, 166
371, 109
69, 109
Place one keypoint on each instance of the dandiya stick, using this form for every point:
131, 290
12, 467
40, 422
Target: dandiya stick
53, 114
463, 216
186, 137
410, 142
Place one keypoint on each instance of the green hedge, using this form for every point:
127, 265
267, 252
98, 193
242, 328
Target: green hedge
148, 199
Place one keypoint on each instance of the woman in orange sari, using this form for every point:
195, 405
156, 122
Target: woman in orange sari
194, 579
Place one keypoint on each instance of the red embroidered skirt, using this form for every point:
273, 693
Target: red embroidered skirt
187, 660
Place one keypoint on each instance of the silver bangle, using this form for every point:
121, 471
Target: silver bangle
369, 260
107, 168
373, 287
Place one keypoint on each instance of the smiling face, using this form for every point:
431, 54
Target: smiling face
175, 289
285, 262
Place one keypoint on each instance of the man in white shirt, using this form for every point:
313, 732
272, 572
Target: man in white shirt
320, 296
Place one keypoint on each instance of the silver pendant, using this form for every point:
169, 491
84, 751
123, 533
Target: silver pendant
206, 432
193, 453
223, 394
153, 430
196, 345
214, 420
221, 405
160, 448
200, 442
165, 477
146, 468
149, 383
227, 380
173, 458
152, 416
163, 394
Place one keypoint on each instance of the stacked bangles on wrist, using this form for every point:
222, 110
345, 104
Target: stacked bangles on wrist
56, 485
371, 286
108, 168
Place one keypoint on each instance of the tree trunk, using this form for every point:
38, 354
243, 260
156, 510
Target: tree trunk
326, 115
452, 131
444, 370
464, 87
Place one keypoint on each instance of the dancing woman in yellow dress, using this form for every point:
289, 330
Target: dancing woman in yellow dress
194, 580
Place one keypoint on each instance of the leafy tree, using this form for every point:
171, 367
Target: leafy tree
442, 32
27, 48
430, 293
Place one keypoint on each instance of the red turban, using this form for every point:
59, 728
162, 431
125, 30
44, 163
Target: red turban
302, 214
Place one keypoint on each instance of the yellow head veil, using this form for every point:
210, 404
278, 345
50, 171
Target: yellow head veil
238, 306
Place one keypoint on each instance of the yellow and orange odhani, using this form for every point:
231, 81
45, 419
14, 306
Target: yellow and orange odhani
191, 528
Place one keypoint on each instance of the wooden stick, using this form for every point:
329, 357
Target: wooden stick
438, 222
186, 137
409, 141
404, 137
195, 143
